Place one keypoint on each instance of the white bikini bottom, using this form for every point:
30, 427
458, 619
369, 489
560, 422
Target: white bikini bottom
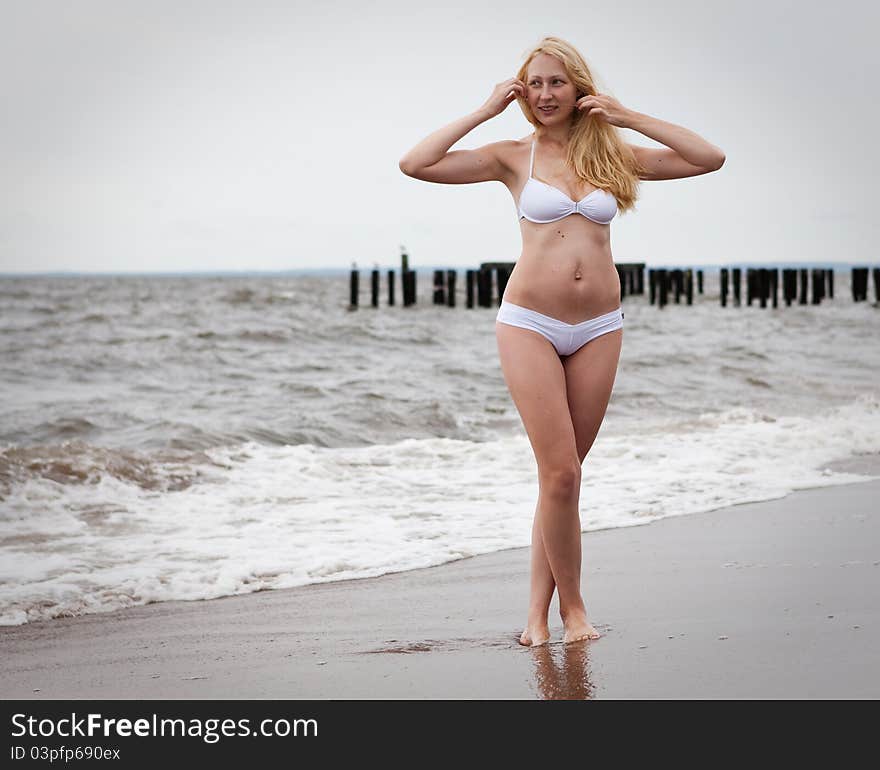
566, 338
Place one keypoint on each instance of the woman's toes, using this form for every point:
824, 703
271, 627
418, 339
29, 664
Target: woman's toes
582, 636
529, 639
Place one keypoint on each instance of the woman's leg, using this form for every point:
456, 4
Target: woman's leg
589, 377
541, 589
535, 377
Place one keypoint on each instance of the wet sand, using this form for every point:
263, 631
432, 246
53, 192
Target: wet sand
778, 599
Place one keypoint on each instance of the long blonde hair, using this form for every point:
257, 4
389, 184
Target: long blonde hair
596, 151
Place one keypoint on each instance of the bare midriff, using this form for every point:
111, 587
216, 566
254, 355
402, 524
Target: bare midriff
566, 270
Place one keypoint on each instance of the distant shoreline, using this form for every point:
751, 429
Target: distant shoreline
340, 271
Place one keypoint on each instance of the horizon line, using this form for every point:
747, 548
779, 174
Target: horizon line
347, 270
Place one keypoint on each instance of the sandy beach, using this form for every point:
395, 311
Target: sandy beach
777, 599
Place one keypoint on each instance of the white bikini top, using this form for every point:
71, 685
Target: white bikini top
541, 203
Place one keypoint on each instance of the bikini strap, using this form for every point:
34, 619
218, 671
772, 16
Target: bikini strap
532, 160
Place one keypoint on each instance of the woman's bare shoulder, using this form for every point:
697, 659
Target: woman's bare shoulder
511, 149
510, 153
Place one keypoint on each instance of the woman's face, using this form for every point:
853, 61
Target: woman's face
548, 85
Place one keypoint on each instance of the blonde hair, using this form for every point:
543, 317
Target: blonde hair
596, 151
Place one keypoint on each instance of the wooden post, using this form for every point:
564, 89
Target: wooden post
662, 276
407, 279
503, 275
689, 286
863, 283
652, 285
450, 288
469, 278
830, 283
774, 285
439, 293
723, 290
802, 297
374, 288
391, 288
737, 277
763, 281
484, 287
409, 288
876, 274
353, 286
699, 281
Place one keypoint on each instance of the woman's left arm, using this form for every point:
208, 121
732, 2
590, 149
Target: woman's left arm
688, 154
687, 145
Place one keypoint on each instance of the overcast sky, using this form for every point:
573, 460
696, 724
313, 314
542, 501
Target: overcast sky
191, 135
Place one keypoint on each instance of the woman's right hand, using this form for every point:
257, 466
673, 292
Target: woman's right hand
504, 93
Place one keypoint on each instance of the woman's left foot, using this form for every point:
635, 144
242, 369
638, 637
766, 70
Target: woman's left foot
577, 629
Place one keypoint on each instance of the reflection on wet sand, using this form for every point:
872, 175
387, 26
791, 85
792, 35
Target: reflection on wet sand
562, 671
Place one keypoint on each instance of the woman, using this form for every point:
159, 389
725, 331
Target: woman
559, 328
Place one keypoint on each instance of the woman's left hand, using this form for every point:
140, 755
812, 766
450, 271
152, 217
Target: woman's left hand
605, 108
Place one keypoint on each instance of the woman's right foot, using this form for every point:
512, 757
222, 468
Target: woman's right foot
535, 635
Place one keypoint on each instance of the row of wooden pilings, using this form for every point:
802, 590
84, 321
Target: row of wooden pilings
801, 285
478, 284
762, 284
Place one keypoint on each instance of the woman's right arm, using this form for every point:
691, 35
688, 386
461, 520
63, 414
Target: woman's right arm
431, 161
